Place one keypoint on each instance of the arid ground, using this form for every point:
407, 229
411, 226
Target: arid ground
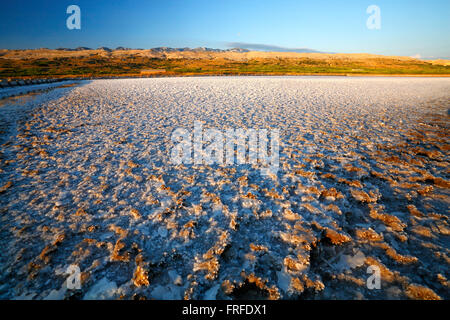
86, 180
104, 62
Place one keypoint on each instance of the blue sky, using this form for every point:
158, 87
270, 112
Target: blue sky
407, 27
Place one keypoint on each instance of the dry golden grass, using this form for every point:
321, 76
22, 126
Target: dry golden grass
335, 237
291, 216
135, 214
351, 279
140, 277
414, 211
368, 234
331, 194
391, 221
297, 285
422, 231
258, 247
363, 196
417, 292
294, 265
116, 256
394, 255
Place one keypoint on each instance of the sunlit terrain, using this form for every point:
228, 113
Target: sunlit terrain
104, 62
86, 179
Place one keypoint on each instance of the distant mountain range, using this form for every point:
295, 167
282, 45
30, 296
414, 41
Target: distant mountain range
234, 47
251, 49
157, 49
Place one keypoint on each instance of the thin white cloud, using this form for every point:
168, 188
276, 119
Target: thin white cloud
268, 47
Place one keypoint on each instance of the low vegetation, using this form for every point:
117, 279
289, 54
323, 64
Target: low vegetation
96, 65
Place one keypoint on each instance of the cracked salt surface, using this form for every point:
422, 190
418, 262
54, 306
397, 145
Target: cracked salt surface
86, 180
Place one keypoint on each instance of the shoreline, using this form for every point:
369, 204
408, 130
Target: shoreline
25, 81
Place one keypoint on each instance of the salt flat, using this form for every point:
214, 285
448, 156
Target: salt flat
86, 180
